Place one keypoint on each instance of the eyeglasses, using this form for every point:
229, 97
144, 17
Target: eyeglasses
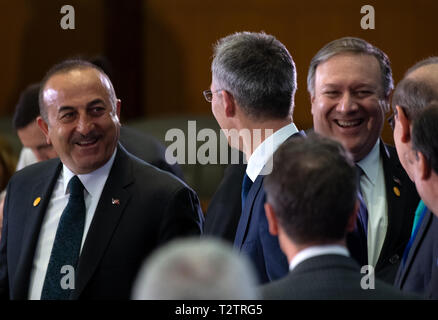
208, 94
391, 121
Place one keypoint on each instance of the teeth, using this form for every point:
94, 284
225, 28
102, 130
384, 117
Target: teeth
85, 143
348, 123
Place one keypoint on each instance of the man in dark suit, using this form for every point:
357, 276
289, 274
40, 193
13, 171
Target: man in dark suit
143, 146
311, 204
81, 225
252, 97
418, 271
349, 82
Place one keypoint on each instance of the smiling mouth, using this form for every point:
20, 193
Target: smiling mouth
349, 123
87, 143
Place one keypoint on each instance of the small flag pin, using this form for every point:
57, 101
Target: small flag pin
115, 201
36, 201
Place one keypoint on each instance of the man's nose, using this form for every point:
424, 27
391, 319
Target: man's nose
347, 103
84, 125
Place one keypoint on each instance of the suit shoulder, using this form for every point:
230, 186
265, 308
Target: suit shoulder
36, 171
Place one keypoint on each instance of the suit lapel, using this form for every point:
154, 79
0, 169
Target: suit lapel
34, 217
395, 185
246, 213
416, 245
109, 210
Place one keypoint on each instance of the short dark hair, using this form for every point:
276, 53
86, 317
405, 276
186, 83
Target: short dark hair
64, 67
258, 71
425, 133
413, 95
312, 189
27, 108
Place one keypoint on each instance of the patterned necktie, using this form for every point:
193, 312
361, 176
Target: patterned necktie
357, 240
246, 185
60, 281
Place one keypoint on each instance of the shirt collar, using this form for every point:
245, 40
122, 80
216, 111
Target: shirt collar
266, 149
317, 251
369, 163
94, 181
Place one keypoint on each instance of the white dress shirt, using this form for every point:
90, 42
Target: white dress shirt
372, 184
93, 186
264, 152
314, 251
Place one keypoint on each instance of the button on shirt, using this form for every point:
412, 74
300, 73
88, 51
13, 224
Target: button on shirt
372, 184
93, 183
263, 153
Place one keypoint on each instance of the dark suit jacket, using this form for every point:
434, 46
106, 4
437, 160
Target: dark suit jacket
420, 272
401, 212
328, 277
224, 210
253, 237
153, 208
148, 149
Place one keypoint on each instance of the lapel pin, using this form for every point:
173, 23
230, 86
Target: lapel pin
396, 191
36, 201
115, 201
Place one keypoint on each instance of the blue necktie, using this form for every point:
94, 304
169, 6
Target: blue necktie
67, 245
419, 215
246, 185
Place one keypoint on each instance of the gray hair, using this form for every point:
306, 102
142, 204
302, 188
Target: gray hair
69, 65
258, 71
356, 46
195, 269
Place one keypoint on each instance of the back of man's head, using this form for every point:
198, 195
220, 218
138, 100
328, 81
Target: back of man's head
425, 135
27, 108
195, 269
417, 89
312, 189
258, 71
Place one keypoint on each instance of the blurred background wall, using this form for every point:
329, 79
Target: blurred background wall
160, 50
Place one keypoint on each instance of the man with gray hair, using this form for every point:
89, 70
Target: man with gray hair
252, 98
350, 82
193, 269
79, 227
418, 270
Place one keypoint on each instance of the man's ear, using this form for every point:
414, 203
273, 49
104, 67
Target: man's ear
44, 128
404, 123
229, 104
312, 101
423, 167
272, 219
351, 224
118, 107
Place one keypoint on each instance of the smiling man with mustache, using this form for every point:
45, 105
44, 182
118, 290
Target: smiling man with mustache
350, 82
80, 226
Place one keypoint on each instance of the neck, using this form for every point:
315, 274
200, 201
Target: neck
254, 133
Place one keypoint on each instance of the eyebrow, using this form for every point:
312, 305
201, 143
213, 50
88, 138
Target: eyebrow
89, 104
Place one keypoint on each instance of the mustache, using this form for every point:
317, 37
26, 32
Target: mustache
78, 137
